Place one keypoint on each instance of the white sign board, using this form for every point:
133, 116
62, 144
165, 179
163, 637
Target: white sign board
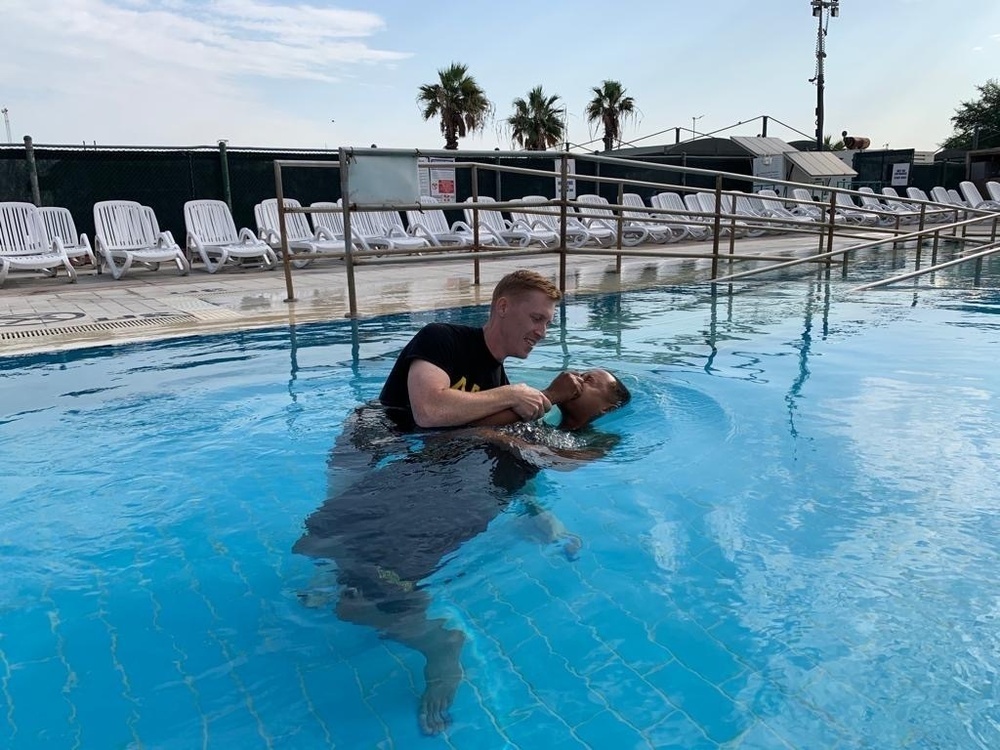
382, 180
570, 178
438, 182
901, 174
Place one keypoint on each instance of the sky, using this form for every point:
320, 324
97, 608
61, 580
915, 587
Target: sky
321, 74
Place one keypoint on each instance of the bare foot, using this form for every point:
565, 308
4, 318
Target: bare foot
442, 675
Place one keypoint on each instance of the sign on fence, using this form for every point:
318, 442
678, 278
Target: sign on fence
438, 182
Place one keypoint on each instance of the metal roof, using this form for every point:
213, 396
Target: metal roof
762, 146
820, 164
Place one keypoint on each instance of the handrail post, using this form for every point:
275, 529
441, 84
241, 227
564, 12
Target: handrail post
563, 208
283, 234
717, 225
732, 227
345, 185
934, 247
621, 226
829, 232
475, 225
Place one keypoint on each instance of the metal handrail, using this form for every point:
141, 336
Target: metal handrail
977, 256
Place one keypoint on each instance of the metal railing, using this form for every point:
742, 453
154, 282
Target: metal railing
721, 222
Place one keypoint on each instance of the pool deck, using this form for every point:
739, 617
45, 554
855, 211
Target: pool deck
44, 314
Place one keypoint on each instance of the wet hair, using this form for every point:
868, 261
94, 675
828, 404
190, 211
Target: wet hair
622, 394
523, 280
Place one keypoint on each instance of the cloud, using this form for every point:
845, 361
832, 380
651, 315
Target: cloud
136, 70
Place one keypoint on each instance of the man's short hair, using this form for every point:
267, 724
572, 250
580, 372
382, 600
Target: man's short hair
523, 280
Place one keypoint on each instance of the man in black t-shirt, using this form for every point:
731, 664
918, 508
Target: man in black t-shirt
452, 375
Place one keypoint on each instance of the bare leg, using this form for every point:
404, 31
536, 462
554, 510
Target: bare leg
441, 647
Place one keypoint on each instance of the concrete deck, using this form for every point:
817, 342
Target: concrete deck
38, 313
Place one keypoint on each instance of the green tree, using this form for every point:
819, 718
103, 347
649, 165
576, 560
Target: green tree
537, 122
829, 145
611, 109
458, 100
977, 122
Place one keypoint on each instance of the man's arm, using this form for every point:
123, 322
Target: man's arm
435, 404
565, 387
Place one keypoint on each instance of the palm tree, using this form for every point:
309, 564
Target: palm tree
612, 109
537, 122
458, 100
829, 145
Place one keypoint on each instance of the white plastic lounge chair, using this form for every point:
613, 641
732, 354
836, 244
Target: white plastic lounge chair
756, 220
302, 240
492, 222
432, 224
332, 224
548, 220
211, 232
933, 213
706, 202
537, 230
658, 231
388, 225
25, 245
820, 211
847, 208
696, 227
605, 219
124, 232
993, 188
59, 223
154, 225
975, 199
884, 215
775, 209
957, 199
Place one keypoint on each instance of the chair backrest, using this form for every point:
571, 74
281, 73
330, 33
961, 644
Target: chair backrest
59, 223
211, 222
332, 222
595, 205
296, 225
123, 225
21, 230
957, 199
993, 188
890, 192
488, 217
386, 222
941, 195
430, 218
843, 199
868, 198
745, 208
669, 201
915, 193
637, 206
970, 193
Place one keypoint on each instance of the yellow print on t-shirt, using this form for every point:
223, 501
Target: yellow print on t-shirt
461, 384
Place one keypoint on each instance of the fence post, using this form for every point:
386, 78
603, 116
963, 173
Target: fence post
717, 225
345, 191
563, 207
227, 195
831, 217
29, 152
286, 255
475, 224
621, 226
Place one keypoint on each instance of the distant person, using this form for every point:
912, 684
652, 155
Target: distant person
453, 375
390, 529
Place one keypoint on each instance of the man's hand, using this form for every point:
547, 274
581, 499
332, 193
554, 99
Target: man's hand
530, 403
565, 387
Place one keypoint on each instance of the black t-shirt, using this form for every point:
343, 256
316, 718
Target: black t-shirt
458, 350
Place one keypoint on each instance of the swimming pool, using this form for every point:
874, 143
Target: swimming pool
794, 545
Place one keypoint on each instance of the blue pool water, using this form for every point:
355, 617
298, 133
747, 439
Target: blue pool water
795, 544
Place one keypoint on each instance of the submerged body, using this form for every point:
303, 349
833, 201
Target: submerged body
401, 503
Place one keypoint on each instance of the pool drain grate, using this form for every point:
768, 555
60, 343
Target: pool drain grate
110, 325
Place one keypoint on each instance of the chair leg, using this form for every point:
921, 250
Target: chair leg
70, 271
182, 263
4, 268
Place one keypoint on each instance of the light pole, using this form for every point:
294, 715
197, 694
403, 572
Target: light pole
6, 123
693, 121
822, 11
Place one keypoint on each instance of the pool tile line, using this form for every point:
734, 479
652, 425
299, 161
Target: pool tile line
71, 679
127, 694
224, 647
485, 633
311, 707
365, 698
5, 690
583, 678
181, 659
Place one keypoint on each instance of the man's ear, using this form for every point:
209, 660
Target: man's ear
502, 306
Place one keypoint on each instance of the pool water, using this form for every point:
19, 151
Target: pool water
793, 545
